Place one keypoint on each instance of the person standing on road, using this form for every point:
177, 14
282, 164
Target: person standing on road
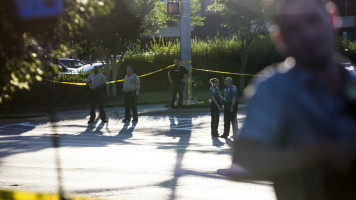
176, 77
300, 129
230, 108
216, 102
96, 82
131, 89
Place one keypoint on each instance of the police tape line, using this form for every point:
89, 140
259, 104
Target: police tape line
22, 195
121, 80
220, 72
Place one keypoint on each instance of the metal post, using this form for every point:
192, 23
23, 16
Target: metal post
185, 47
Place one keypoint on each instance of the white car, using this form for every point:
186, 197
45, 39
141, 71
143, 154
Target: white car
85, 68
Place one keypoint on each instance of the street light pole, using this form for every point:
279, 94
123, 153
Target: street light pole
185, 47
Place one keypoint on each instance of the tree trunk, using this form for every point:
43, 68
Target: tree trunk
244, 57
114, 68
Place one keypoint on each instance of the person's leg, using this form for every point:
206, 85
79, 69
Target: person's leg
180, 93
134, 107
102, 113
174, 96
235, 127
127, 105
227, 120
214, 120
92, 106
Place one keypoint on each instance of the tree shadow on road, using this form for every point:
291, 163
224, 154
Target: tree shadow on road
179, 128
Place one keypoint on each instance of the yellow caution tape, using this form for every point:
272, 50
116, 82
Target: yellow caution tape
70, 83
110, 82
220, 72
121, 80
20, 195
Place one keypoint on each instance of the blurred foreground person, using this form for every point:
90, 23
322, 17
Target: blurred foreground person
97, 83
131, 89
230, 108
216, 102
301, 123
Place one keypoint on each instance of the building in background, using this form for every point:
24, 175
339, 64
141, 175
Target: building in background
347, 9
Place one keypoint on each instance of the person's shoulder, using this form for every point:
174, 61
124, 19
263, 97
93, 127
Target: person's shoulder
273, 78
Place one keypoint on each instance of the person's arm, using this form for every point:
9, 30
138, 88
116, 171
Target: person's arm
169, 77
216, 102
89, 81
138, 87
233, 102
186, 75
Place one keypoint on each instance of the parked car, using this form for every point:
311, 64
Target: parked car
85, 68
71, 63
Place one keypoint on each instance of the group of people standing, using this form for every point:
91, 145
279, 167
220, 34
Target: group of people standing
131, 89
230, 103
177, 77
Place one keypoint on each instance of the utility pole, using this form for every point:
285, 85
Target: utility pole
185, 47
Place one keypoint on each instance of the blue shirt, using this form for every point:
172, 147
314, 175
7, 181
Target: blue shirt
229, 93
214, 91
293, 108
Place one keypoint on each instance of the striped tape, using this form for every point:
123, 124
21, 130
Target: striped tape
21, 195
143, 75
220, 72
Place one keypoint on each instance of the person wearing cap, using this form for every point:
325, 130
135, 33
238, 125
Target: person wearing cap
96, 82
230, 108
216, 102
131, 89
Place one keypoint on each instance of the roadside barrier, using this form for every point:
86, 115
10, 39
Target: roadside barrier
150, 73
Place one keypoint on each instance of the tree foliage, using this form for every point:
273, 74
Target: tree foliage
158, 17
27, 54
244, 18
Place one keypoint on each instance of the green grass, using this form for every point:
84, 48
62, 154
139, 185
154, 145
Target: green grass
159, 97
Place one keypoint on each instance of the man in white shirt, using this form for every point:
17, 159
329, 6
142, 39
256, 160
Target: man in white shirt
97, 83
131, 88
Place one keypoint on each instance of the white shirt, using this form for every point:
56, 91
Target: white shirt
98, 80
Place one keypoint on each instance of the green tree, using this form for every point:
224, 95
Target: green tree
110, 36
247, 20
28, 50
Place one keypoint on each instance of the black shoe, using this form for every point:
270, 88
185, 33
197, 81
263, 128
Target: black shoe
134, 120
126, 120
224, 136
104, 121
215, 135
90, 121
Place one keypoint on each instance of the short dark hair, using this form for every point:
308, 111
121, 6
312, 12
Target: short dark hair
213, 80
275, 7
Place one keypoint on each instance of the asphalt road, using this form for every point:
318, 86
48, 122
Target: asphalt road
163, 156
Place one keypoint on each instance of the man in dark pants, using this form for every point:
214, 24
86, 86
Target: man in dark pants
97, 83
230, 108
131, 88
176, 77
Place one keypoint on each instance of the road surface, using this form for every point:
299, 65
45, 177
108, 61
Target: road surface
163, 156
